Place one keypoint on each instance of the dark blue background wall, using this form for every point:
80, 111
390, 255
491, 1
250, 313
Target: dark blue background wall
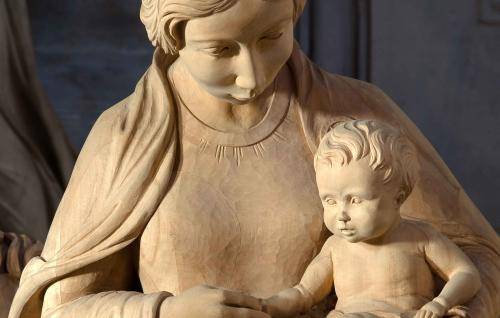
437, 59
442, 65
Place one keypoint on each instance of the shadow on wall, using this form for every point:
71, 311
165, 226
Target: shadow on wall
435, 58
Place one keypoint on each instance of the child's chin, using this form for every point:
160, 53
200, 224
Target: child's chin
352, 239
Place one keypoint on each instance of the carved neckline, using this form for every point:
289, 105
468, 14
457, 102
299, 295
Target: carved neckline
276, 113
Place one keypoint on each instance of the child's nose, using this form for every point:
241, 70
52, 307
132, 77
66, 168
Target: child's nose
343, 216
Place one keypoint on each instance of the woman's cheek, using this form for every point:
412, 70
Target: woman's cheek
208, 70
284, 47
216, 73
276, 57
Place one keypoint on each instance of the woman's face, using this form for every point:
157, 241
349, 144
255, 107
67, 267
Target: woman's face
236, 54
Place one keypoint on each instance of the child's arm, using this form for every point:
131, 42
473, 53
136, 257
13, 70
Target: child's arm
315, 285
463, 280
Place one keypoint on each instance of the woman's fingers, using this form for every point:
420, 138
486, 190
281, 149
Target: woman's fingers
233, 312
335, 314
238, 299
457, 312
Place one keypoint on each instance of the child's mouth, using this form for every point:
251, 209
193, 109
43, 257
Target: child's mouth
347, 232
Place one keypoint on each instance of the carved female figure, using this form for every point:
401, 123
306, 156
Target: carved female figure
204, 176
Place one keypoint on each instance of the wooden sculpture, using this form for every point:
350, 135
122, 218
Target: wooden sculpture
196, 196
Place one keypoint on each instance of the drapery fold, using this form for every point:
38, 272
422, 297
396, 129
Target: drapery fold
121, 175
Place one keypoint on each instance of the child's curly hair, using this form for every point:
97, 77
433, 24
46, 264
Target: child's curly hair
387, 148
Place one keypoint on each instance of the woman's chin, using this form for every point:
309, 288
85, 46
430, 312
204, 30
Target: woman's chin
241, 100
236, 100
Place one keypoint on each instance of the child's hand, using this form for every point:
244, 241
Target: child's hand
288, 303
432, 309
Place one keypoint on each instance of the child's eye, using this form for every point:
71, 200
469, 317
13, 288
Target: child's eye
355, 200
330, 201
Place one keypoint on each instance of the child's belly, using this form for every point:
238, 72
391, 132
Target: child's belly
396, 277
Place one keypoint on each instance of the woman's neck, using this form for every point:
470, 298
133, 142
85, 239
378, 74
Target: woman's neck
213, 112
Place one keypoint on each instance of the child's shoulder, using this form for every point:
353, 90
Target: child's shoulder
333, 242
421, 231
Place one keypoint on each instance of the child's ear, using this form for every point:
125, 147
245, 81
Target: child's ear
400, 197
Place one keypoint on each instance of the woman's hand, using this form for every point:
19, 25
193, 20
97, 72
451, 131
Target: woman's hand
458, 312
210, 302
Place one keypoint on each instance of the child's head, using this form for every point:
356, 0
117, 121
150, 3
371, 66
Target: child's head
365, 170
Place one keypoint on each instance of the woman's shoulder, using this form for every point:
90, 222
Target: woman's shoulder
344, 95
318, 89
96, 149
324, 99
102, 129
112, 115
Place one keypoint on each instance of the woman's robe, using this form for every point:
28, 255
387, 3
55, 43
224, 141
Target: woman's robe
129, 162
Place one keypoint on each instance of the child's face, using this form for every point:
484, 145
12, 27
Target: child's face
357, 205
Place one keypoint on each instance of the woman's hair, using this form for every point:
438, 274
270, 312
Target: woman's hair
163, 19
386, 147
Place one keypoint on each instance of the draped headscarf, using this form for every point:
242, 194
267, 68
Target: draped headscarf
122, 173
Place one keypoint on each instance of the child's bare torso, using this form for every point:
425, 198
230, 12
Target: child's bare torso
393, 276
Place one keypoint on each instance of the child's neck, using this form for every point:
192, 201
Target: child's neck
382, 239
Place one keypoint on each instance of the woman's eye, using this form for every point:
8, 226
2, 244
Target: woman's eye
273, 36
217, 51
330, 202
355, 200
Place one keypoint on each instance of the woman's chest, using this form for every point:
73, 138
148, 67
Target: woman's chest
247, 218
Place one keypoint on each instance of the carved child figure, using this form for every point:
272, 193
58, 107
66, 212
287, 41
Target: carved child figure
380, 264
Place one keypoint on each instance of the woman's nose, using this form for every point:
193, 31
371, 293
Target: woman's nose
247, 72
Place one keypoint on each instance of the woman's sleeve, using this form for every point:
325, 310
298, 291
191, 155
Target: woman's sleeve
108, 287
114, 304
102, 289
440, 200
122, 173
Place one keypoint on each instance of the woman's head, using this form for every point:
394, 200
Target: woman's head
232, 48
164, 19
